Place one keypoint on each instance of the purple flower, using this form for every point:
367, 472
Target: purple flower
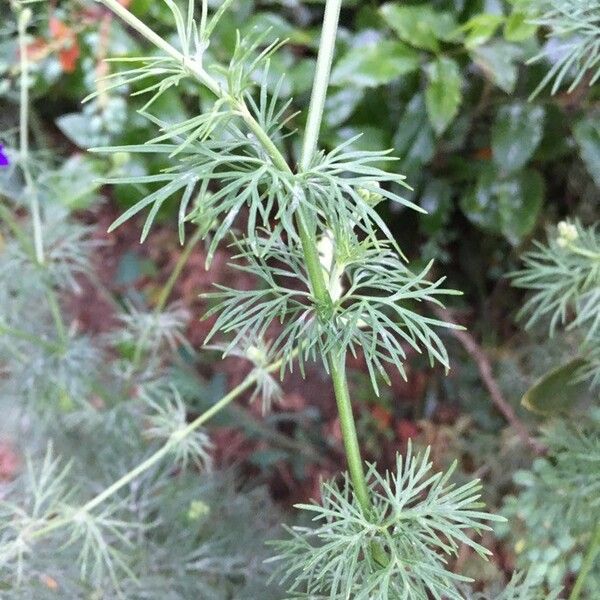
4, 162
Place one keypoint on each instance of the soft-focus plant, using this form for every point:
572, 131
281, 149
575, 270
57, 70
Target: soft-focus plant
555, 514
93, 407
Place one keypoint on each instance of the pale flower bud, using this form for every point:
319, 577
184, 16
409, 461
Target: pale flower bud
371, 197
567, 231
333, 273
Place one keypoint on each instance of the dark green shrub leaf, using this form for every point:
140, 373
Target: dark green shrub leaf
375, 64
587, 136
509, 206
497, 62
436, 199
340, 105
414, 141
443, 93
556, 391
420, 26
516, 134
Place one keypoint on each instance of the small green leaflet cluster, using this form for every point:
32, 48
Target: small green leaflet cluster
418, 517
373, 313
564, 277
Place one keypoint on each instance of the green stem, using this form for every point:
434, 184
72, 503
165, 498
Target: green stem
337, 363
588, 563
28, 337
321, 80
59, 324
166, 290
191, 65
355, 463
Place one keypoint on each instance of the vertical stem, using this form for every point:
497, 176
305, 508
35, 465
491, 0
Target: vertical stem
321, 81
588, 563
23, 20
337, 364
355, 464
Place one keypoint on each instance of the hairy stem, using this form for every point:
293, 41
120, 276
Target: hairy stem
588, 563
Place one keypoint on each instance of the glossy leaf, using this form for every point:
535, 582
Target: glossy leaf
516, 134
587, 136
443, 94
497, 62
420, 26
375, 64
414, 141
509, 207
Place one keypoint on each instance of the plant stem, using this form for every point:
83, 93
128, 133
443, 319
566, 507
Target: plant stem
355, 463
166, 290
337, 363
23, 20
588, 563
321, 80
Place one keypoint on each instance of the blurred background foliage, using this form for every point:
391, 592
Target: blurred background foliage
453, 87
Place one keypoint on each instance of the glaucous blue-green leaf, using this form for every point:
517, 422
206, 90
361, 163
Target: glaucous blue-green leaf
518, 27
587, 136
557, 391
375, 63
507, 206
75, 182
516, 134
443, 93
480, 28
497, 62
420, 26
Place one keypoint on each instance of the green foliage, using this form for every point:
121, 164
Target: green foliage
417, 517
555, 512
557, 507
564, 276
574, 28
432, 83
